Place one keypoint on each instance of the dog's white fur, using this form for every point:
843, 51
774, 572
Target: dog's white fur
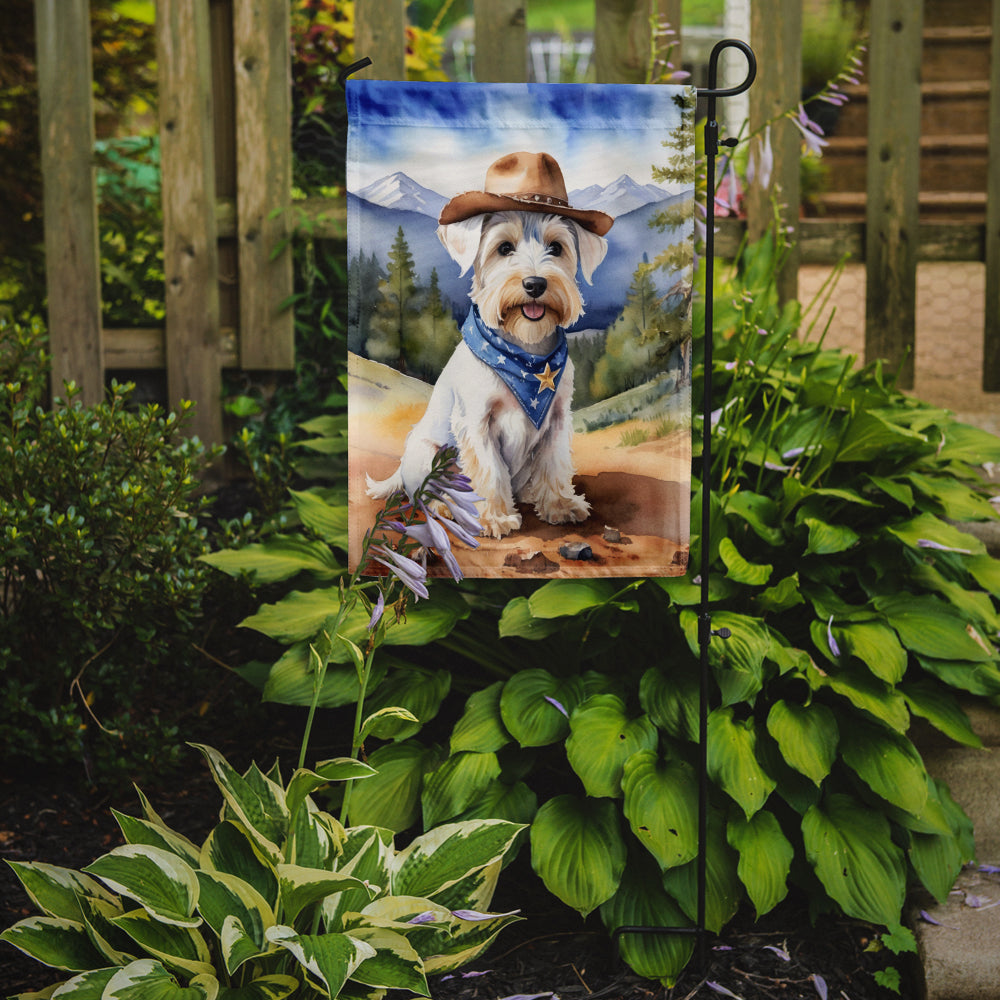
501, 451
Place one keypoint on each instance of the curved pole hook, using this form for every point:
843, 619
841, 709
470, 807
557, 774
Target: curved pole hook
713, 69
353, 68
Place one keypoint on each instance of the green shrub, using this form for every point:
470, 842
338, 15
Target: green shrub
279, 900
101, 584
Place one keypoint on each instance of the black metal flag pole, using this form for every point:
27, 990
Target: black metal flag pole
705, 631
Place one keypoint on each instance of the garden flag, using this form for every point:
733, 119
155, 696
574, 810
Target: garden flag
520, 270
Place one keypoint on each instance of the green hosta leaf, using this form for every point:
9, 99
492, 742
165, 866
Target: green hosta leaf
418, 691
578, 851
147, 979
738, 661
807, 736
850, 848
330, 959
975, 605
864, 691
438, 859
481, 728
225, 897
739, 569
54, 941
535, 706
279, 558
395, 964
516, 803
976, 678
301, 887
671, 700
661, 799
260, 809
559, 598
931, 628
231, 850
928, 528
941, 709
888, 763
141, 831
180, 948
828, 539
965, 443
957, 501
391, 798
327, 520
723, 889
986, 572
937, 859
602, 738
292, 680
765, 858
758, 511
275, 987
732, 760
517, 620
456, 784
159, 881
783, 595
876, 646
869, 436
641, 901
56, 891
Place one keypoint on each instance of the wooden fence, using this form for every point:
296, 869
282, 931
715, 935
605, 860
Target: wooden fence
226, 161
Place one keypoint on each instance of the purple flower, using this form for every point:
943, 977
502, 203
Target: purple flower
811, 132
558, 705
432, 536
377, 611
427, 917
761, 163
410, 573
475, 915
820, 983
927, 543
719, 988
834, 648
780, 952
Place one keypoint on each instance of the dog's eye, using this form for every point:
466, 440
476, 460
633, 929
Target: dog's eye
555, 248
505, 249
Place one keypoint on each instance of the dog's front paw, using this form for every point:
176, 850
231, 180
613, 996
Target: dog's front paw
563, 509
497, 521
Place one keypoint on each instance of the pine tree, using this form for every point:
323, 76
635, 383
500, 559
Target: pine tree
391, 326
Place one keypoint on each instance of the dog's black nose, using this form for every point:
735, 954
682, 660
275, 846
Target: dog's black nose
534, 286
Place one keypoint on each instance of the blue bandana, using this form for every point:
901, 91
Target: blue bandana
533, 378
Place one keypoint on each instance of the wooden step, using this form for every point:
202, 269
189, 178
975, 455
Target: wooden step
939, 13
947, 163
956, 53
957, 206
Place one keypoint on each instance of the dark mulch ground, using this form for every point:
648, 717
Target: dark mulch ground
551, 951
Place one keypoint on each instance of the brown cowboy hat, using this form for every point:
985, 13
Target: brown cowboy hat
523, 182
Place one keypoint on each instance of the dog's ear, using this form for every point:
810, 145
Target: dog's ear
592, 251
461, 240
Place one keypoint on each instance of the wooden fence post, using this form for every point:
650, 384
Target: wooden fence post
501, 41
991, 331
893, 183
262, 61
776, 36
380, 34
190, 251
622, 39
72, 255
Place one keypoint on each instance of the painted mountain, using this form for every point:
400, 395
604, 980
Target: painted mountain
377, 212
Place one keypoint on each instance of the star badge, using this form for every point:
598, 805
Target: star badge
547, 379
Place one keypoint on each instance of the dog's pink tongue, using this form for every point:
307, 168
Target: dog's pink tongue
533, 310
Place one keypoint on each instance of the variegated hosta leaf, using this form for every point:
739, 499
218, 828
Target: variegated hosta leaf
578, 851
230, 849
476, 890
456, 784
602, 737
225, 897
367, 853
274, 987
315, 838
395, 964
116, 947
723, 889
56, 891
732, 760
642, 902
807, 736
300, 887
256, 801
304, 782
54, 941
158, 880
418, 691
850, 847
141, 831
147, 979
765, 858
177, 947
481, 727
888, 763
535, 706
467, 940
661, 805
441, 857
329, 959
86, 986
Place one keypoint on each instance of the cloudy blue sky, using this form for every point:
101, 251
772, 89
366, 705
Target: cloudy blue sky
445, 135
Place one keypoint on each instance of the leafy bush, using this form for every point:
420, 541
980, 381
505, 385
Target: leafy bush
854, 603
279, 899
99, 546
